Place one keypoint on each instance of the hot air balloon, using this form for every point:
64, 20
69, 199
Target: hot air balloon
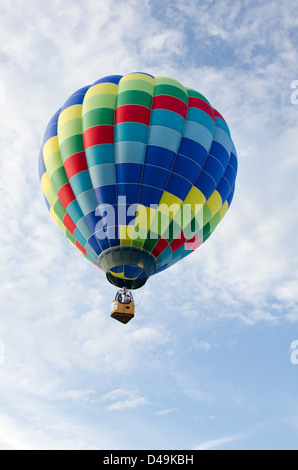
137, 171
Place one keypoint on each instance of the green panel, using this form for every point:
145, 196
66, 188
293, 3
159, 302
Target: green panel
69, 128
53, 163
59, 179
207, 214
150, 243
138, 242
173, 231
59, 210
134, 97
169, 81
196, 94
214, 221
164, 89
102, 100
98, 117
136, 84
71, 146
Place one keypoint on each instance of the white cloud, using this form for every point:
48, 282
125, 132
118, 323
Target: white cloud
166, 412
218, 443
128, 404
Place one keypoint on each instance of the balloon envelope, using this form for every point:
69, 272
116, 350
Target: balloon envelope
137, 172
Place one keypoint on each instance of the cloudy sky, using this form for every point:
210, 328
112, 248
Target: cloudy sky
209, 360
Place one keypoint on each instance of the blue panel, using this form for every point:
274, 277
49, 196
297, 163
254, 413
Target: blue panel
224, 189
41, 166
173, 120
93, 219
98, 154
87, 201
131, 191
129, 152
155, 176
76, 98
107, 215
186, 167
106, 195
141, 73
230, 197
103, 175
108, 235
198, 133
193, 150
126, 213
47, 204
84, 228
79, 237
205, 184
117, 269
149, 195
220, 153
223, 138
81, 182
164, 137
234, 162
128, 172
99, 245
178, 186
51, 130
133, 272
114, 241
222, 125
178, 254
74, 211
230, 175
159, 156
131, 131
214, 168
160, 269
109, 79
165, 256
198, 115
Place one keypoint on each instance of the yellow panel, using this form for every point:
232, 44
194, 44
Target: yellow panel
56, 220
195, 199
138, 76
169, 203
124, 233
223, 209
145, 216
51, 146
214, 202
102, 88
121, 275
45, 182
51, 196
73, 112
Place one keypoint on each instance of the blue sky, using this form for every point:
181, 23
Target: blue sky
206, 362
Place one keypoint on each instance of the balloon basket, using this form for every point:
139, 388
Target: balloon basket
122, 312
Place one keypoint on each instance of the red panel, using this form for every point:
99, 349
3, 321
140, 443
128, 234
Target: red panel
178, 242
160, 246
171, 103
194, 102
69, 224
216, 113
66, 195
75, 164
193, 243
132, 113
81, 248
96, 135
